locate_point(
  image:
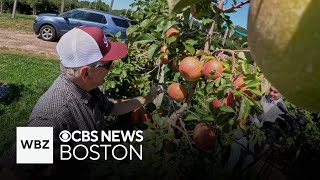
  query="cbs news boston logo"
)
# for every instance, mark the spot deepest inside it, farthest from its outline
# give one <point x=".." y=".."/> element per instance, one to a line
<point x="34" y="145"/>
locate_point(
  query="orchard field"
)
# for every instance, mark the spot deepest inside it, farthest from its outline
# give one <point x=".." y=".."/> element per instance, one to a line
<point x="212" y="87"/>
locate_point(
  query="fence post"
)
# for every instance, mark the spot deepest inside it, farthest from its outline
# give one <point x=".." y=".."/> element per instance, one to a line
<point x="14" y="9"/>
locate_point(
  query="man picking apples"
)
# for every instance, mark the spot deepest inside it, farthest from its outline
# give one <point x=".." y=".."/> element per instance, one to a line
<point x="74" y="101"/>
<point x="273" y="108"/>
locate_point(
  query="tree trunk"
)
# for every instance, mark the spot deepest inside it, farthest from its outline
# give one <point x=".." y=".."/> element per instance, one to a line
<point x="62" y="6"/>
<point x="1" y="7"/>
<point x="111" y="4"/>
<point x="34" y="10"/>
<point x="14" y="9"/>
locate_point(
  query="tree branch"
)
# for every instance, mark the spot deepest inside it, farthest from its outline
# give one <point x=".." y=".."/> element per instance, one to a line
<point x="233" y="63"/>
<point x="230" y="51"/>
<point x="228" y="10"/>
<point x="209" y="35"/>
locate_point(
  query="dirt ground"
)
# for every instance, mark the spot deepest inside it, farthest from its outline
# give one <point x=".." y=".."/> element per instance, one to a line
<point x="26" y="41"/>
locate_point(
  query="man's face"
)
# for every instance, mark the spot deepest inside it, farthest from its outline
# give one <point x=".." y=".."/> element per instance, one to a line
<point x="97" y="74"/>
<point x="274" y="94"/>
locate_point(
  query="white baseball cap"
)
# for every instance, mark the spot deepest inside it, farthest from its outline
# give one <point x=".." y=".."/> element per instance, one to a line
<point x="85" y="45"/>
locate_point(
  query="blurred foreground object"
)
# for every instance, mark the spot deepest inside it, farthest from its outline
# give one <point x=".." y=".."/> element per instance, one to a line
<point x="284" y="39"/>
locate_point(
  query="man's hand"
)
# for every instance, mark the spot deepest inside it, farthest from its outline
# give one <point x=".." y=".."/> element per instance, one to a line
<point x="154" y="91"/>
<point x="126" y="106"/>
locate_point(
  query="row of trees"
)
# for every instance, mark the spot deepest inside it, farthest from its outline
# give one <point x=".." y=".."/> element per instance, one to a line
<point x="40" y="6"/>
<point x="34" y="7"/>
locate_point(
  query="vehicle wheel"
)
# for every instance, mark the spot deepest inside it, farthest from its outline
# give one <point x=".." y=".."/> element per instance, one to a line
<point x="47" y="33"/>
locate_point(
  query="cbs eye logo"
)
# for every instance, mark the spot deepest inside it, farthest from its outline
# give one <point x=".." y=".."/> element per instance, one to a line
<point x="65" y="136"/>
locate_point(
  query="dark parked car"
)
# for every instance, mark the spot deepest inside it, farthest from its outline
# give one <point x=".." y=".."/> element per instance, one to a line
<point x="50" y="26"/>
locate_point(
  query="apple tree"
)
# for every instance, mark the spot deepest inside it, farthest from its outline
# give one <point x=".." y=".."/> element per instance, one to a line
<point x="210" y="90"/>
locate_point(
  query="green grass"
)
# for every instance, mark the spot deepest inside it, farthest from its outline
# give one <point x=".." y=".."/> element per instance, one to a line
<point x="32" y="75"/>
<point x="20" y="22"/>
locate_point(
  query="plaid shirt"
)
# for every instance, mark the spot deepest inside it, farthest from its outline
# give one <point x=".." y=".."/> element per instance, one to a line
<point x="65" y="106"/>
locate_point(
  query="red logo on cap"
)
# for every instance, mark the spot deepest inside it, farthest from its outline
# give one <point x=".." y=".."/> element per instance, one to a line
<point x="101" y="40"/>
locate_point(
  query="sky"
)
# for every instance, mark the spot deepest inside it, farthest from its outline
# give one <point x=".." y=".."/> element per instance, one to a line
<point x="238" y="18"/>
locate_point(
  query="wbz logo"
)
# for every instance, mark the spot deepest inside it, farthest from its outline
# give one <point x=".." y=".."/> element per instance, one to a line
<point x="37" y="144"/>
<point x="34" y="145"/>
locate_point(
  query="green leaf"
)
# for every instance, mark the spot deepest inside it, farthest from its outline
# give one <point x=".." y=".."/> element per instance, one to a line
<point x="149" y="124"/>
<point x="225" y="86"/>
<point x="145" y="38"/>
<point x="244" y="109"/>
<point x="255" y="91"/>
<point x="175" y="5"/>
<point x="231" y="122"/>
<point x="201" y="111"/>
<point x="244" y="67"/>
<point x="176" y="76"/>
<point x="189" y="48"/>
<point x="118" y="34"/>
<point x="159" y="145"/>
<point x="191" y="42"/>
<point x="169" y="25"/>
<point x="223" y="81"/>
<point x="245" y="55"/>
<point x="226" y="109"/>
<point x="222" y="15"/>
<point x="250" y="77"/>
<point x="191" y="117"/>
<point x="207" y="21"/>
<point x="208" y="57"/>
<point x="132" y="29"/>
<point x="244" y="127"/>
<point x="169" y="136"/>
<point x="124" y="74"/>
<point x="258" y="106"/>
<point x="145" y="23"/>
<point x="241" y="55"/>
<point x="112" y="84"/>
<point x="157" y="119"/>
<point x="171" y="39"/>
<point x="227" y="75"/>
<point x="206" y="105"/>
<point x="253" y="83"/>
<point x="245" y="44"/>
<point x="209" y="87"/>
<point x="250" y="100"/>
<point x="152" y="49"/>
<point x="208" y="118"/>
<point x="159" y="19"/>
<point x="217" y="82"/>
